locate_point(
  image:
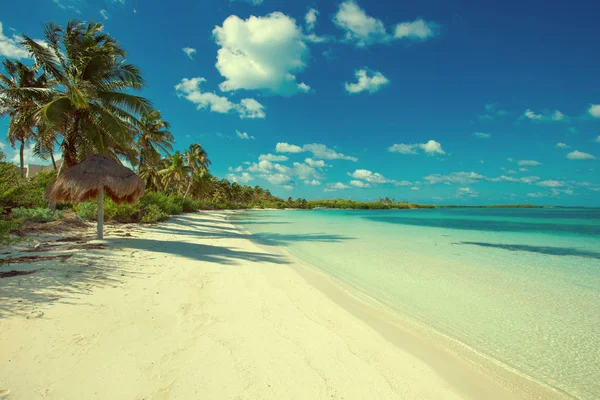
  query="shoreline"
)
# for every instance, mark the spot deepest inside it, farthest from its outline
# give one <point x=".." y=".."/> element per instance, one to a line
<point x="473" y="374"/>
<point x="192" y="307"/>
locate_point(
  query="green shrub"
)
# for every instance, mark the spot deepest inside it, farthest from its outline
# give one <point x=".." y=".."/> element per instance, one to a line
<point x="168" y="204"/>
<point x="40" y="214"/>
<point x="152" y="214"/>
<point x="87" y="211"/>
<point x="190" y="205"/>
<point x="125" y="213"/>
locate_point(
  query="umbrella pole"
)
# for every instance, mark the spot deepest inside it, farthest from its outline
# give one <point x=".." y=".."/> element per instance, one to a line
<point x="100" y="225"/>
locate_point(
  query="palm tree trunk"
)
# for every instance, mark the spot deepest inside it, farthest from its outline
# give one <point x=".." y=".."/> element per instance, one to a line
<point x="188" y="188"/>
<point x="53" y="160"/>
<point x="100" y="226"/>
<point x="21" y="155"/>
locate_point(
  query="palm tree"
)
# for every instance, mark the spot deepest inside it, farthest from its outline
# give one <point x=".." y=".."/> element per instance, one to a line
<point x="197" y="159"/>
<point x="153" y="137"/>
<point x="90" y="104"/>
<point x="175" y="173"/>
<point x="21" y="89"/>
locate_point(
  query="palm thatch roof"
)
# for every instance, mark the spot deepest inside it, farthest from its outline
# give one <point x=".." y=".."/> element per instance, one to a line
<point x="84" y="181"/>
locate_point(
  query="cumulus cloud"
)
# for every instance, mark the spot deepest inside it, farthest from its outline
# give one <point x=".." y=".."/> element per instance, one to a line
<point x="466" y="191"/>
<point x="29" y="156"/>
<point x="364" y="30"/>
<point x="461" y="178"/>
<point x="311" y="19"/>
<point x="314" y="163"/>
<point x="530" y="163"/>
<point x="332" y="187"/>
<point x="482" y="135"/>
<point x="244" y="177"/>
<point x="360" y="184"/>
<point x="371" y="84"/>
<point x="417" y="29"/>
<point x="550" y="183"/>
<point x="243" y="135"/>
<point x="375" y="177"/>
<point x="562" y="145"/>
<point x="314" y="182"/>
<point x="546" y="117"/>
<point x="579" y="155"/>
<point x="261" y="53"/>
<point x="253" y="2"/>
<point x="189" y="51"/>
<point x="288" y="148"/>
<point x="431" y="148"/>
<point x="9" y="47"/>
<point x="324" y="152"/>
<point x="190" y="90"/>
<point x="415" y="188"/>
<point x="594" y="110"/>
<point x="272" y="157"/>
<point x="597" y="139"/>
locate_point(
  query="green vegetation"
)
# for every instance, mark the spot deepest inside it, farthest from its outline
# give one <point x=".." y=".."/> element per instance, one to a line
<point x="365" y="205"/>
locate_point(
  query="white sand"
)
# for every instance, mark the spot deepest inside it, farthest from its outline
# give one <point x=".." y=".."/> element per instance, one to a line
<point x="192" y="309"/>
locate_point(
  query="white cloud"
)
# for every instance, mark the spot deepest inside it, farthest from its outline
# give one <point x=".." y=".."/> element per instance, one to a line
<point x="332" y="187"/>
<point x="364" y="30"/>
<point x="535" y="195"/>
<point x="314" y="182"/>
<point x="530" y="163"/>
<point x="492" y="111"/>
<point x="367" y="83"/>
<point x="261" y="53"/>
<point x="417" y="29"/>
<point x="466" y="191"/>
<point x="462" y="178"/>
<point x="550" y="183"/>
<point x="243" y="135"/>
<point x="579" y="155"/>
<point x="189" y="51"/>
<point x="73" y="4"/>
<point x="253" y="2"/>
<point x="594" y="110"/>
<point x="278" y="179"/>
<point x="311" y="19"/>
<point x="562" y="145"/>
<point x="288" y="148"/>
<point x="322" y="151"/>
<point x="415" y="188"/>
<point x="431" y="147"/>
<point x="369" y="176"/>
<point x="482" y="135"/>
<point x="315" y="163"/>
<point x="360" y="184"/>
<point x="597" y="139"/>
<point x="288" y="187"/>
<point x="304" y="171"/>
<point x="530" y="179"/>
<point x="244" y="177"/>
<point x="550" y="116"/>
<point x="523" y="169"/>
<point x="104" y="14"/>
<point x="190" y="90"/>
<point x="9" y="47"/>
<point x="272" y="157"/>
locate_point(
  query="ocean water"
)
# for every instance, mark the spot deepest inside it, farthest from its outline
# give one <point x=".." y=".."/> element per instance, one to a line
<point x="519" y="286"/>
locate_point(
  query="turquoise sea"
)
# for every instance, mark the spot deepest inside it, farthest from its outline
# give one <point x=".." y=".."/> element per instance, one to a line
<point x="519" y="286"/>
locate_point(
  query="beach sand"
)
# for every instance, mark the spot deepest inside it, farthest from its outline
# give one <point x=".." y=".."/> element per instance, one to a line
<point x="192" y="309"/>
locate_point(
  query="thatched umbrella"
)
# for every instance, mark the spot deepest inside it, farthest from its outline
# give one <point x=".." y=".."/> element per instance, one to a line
<point x="91" y="179"/>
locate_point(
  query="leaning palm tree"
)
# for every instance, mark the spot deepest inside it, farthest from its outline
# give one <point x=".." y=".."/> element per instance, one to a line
<point x="197" y="159"/>
<point x="91" y="104"/>
<point x="176" y="173"/>
<point x="152" y="139"/>
<point x="22" y="89"/>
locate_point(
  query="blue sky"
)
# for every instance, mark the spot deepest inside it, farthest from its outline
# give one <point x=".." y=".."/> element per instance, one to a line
<point x="431" y="101"/>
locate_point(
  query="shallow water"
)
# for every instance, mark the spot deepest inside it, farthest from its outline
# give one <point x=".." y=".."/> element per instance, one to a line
<point x="520" y="286"/>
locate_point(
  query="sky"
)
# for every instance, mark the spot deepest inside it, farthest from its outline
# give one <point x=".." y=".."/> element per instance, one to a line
<point x="435" y="101"/>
